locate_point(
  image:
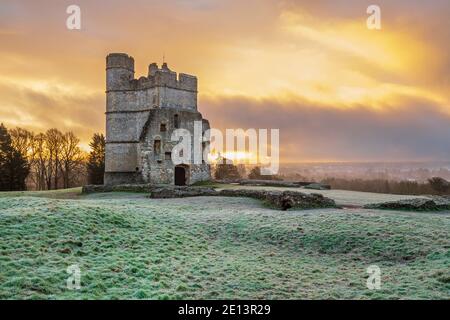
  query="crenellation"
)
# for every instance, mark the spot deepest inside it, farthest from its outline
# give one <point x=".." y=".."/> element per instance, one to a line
<point x="187" y="82"/>
<point x="166" y="78"/>
<point x="120" y="60"/>
<point x="119" y="71"/>
<point x="120" y="76"/>
<point x="152" y="68"/>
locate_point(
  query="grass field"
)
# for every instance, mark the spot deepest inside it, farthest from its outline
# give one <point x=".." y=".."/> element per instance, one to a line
<point x="131" y="247"/>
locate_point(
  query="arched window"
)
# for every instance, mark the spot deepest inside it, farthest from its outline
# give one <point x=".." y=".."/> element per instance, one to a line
<point x="157" y="147"/>
<point x="204" y="145"/>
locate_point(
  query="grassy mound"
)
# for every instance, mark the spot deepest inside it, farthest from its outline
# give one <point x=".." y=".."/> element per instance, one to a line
<point x="130" y="247"/>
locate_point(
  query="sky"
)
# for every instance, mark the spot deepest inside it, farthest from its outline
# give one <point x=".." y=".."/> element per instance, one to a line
<point x="336" y="90"/>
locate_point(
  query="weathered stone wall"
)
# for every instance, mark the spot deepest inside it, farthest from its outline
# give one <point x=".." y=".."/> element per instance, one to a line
<point x="175" y="98"/>
<point x="200" y="173"/>
<point x="282" y="200"/>
<point x="117" y="178"/>
<point x="135" y="110"/>
<point x="119" y="71"/>
<point x="132" y="100"/>
<point x="121" y="157"/>
<point x="158" y="168"/>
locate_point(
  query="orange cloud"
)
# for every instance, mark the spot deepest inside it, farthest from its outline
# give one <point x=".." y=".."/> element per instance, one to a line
<point x="284" y="53"/>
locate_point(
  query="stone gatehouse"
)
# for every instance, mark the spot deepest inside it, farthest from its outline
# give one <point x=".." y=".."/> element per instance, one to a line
<point x="141" y="115"/>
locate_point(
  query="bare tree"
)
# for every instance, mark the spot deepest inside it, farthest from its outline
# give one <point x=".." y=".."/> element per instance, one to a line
<point x="55" y="159"/>
<point x="21" y="140"/>
<point x="71" y="157"/>
<point x="39" y="160"/>
<point x="54" y="139"/>
<point x="439" y="185"/>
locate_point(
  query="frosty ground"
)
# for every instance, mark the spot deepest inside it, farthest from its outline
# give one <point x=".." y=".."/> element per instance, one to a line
<point x="131" y="247"/>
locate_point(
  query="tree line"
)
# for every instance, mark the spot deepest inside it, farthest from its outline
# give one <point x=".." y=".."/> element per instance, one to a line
<point x="434" y="186"/>
<point x="48" y="160"/>
<point x="225" y="170"/>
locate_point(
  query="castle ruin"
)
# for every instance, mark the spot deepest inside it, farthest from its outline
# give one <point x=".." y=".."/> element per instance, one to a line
<point x="141" y="115"/>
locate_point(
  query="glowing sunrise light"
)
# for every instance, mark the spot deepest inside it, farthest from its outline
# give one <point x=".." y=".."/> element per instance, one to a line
<point x="235" y="156"/>
<point x="312" y="69"/>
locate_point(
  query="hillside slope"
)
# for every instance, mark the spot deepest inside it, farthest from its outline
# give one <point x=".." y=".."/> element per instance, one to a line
<point x="131" y="247"/>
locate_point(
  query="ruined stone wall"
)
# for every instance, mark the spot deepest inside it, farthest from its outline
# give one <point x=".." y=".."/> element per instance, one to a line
<point x="200" y="173"/>
<point x="157" y="167"/>
<point x="175" y="98"/>
<point x="131" y="113"/>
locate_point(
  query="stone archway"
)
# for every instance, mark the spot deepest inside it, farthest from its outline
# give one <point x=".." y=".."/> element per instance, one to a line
<point x="181" y="175"/>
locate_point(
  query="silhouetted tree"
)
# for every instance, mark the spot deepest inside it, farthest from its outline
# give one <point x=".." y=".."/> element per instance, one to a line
<point x="14" y="168"/>
<point x="225" y="169"/>
<point x="39" y="154"/>
<point x="54" y="141"/>
<point x="255" y="174"/>
<point x="439" y="184"/>
<point x="70" y="157"/>
<point x="96" y="160"/>
<point x="21" y="141"/>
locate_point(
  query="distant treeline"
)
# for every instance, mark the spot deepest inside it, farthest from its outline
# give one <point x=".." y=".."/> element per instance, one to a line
<point x="434" y="186"/>
<point x="49" y="160"/>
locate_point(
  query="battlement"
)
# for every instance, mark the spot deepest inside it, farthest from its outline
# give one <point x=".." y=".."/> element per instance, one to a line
<point x="120" y="60"/>
<point x="121" y="68"/>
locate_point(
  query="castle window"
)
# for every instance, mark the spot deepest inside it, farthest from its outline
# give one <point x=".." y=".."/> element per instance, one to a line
<point x="204" y="145"/>
<point x="154" y="99"/>
<point x="168" y="156"/>
<point x="176" y="121"/>
<point x="157" y="147"/>
<point x="162" y="127"/>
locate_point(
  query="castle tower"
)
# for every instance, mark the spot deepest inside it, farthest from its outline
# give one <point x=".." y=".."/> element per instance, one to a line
<point x="121" y="125"/>
<point x="141" y="114"/>
<point x="119" y="71"/>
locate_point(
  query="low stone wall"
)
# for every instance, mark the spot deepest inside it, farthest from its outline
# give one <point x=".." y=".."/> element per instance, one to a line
<point x="281" y="200"/>
<point x="318" y="186"/>
<point x="288" y="184"/>
<point x="435" y="203"/>
<point x="116" y="188"/>
<point x="272" y="183"/>
<point x="167" y="192"/>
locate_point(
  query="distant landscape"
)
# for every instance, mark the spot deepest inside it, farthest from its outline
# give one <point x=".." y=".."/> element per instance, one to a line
<point x="394" y="171"/>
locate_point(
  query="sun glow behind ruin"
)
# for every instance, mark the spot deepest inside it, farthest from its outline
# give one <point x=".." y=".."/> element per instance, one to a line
<point x="307" y="58"/>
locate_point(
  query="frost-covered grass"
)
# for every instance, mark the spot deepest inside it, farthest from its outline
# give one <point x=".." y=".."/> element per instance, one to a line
<point x="342" y="197"/>
<point x="54" y="194"/>
<point x="131" y="247"/>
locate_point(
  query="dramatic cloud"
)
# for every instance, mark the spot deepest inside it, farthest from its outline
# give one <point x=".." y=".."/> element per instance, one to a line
<point x="337" y="90"/>
<point x="412" y="130"/>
